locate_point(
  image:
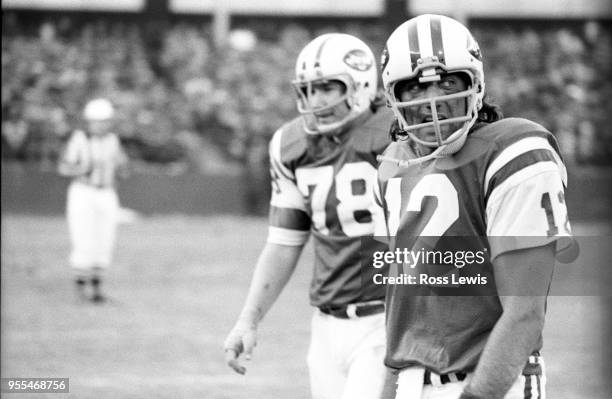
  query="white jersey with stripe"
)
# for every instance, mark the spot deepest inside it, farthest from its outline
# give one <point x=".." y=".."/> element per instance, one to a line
<point x="503" y="191"/>
<point x="101" y="155"/>
<point x="322" y="185"/>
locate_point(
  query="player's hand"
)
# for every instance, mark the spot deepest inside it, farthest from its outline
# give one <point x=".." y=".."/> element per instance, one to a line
<point x="242" y="339"/>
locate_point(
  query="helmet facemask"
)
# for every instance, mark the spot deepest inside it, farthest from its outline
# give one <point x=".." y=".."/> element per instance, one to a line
<point x="404" y="110"/>
<point x="311" y="114"/>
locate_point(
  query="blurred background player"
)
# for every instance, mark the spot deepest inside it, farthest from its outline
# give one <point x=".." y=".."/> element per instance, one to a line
<point x="476" y="181"/>
<point x="92" y="158"/>
<point x="323" y="175"/>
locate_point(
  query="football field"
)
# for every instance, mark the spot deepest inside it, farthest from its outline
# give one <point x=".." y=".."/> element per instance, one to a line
<point x="177" y="285"/>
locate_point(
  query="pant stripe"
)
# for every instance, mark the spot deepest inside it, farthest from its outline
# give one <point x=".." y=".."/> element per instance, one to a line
<point x="527" y="387"/>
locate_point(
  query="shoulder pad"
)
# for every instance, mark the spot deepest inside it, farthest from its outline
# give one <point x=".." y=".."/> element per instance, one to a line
<point x="289" y="141"/>
<point x="496" y="136"/>
<point x="488" y="141"/>
<point x="373" y="134"/>
<point x="515" y="144"/>
<point x="509" y="130"/>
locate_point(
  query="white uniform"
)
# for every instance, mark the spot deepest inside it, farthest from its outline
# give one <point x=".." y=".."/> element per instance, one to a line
<point x="92" y="203"/>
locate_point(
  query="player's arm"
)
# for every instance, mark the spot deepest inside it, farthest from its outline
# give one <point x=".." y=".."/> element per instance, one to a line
<point x="526" y="225"/>
<point x="288" y="232"/>
<point x="525" y="275"/>
<point x="274" y="267"/>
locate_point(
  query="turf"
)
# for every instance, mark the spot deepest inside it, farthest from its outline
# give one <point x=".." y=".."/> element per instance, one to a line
<point x="175" y="288"/>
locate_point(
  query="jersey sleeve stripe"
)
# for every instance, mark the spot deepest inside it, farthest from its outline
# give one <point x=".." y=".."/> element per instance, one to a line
<point x="562" y="168"/>
<point x="275" y="155"/>
<point x="518" y="177"/>
<point x="525" y="159"/>
<point x="289" y="218"/>
<point x="513" y="151"/>
<point x="278" y="235"/>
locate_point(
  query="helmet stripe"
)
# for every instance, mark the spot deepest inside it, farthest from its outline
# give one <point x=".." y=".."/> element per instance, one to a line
<point x="424" y="32"/>
<point x="317" y="60"/>
<point x="436" y="39"/>
<point x="413" y="45"/>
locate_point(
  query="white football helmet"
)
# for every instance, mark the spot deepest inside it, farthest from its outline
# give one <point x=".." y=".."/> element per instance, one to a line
<point x="99" y="109"/>
<point x="423" y="48"/>
<point x="335" y="56"/>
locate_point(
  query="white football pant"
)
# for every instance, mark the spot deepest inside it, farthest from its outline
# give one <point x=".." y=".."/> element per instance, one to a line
<point x="345" y="358"/>
<point x="92" y="222"/>
<point x="410" y="386"/>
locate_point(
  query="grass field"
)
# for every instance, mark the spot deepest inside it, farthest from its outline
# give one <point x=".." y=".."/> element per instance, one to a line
<point x="176" y="286"/>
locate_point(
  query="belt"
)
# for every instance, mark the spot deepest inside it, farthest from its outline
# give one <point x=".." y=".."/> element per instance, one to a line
<point x="440" y="379"/>
<point x="94" y="185"/>
<point x="533" y="367"/>
<point x="354" y="310"/>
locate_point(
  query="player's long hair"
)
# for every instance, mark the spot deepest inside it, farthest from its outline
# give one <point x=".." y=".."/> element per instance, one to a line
<point x="490" y="112"/>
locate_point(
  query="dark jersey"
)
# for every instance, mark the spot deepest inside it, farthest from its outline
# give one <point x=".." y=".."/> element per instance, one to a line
<point x="503" y="191"/>
<point x="323" y="185"/>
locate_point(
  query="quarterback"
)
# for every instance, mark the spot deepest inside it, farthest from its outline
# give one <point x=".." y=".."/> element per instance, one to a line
<point x="458" y="174"/>
<point x="323" y="166"/>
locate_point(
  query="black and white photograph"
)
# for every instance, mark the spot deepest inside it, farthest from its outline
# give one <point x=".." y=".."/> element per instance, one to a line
<point x="348" y="199"/>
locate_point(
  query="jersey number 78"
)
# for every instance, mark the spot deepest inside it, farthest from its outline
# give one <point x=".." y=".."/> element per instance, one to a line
<point x="354" y="184"/>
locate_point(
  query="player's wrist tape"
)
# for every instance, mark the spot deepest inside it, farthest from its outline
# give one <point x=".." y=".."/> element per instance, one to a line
<point x="247" y="322"/>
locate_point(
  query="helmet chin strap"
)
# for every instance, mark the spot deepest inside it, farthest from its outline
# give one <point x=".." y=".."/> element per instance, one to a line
<point x="440" y="152"/>
<point x="437" y="153"/>
<point x="329" y="129"/>
<point x="311" y="126"/>
<point x="334" y="127"/>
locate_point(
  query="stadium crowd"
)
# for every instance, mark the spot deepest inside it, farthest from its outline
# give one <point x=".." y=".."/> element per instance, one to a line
<point x="188" y="104"/>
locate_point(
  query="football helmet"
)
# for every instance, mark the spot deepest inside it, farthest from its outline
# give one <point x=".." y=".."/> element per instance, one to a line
<point x="424" y="48"/>
<point x="340" y="57"/>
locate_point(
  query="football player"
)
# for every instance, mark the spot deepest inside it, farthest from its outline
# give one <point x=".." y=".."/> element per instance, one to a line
<point x="323" y="166"/>
<point x="92" y="158"/>
<point x="459" y="177"/>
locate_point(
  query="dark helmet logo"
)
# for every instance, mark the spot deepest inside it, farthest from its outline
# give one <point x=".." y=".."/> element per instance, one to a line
<point x="384" y="58"/>
<point x="474" y="49"/>
<point x="358" y="59"/>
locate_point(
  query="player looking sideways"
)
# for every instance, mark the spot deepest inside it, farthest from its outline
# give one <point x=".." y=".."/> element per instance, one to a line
<point x="478" y="179"/>
<point x="92" y="158"/>
<point x="323" y="167"/>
